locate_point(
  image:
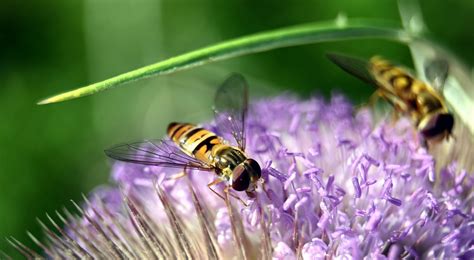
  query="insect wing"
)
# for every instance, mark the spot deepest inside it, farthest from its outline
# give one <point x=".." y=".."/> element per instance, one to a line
<point x="355" y="66"/>
<point x="157" y="153"/>
<point x="361" y="69"/>
<point x="436" y="72"/>
<point x="230" y="108"/>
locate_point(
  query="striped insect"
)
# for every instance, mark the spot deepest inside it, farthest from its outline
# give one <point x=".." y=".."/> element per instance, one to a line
<point x="420" y="101"/>
<point x="193" y="147"/>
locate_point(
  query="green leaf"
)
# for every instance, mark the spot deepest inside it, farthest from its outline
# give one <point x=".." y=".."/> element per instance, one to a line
<point x="335" y="30"/>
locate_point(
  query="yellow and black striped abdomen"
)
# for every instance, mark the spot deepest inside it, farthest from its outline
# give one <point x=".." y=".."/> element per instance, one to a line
<point x="419" y="98"/>
<point x="395" y="78"/>
<point x="193" y="140"/>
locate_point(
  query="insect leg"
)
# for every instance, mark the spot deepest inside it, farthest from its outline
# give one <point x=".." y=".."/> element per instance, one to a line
<point x="371" y="102"/>
<point x="264" y="187"/>
<point x="226" y="190"/>
<point x="399" y="107"/>
<point x="450" y="136"/>
<point x="251" y="194"/>
<point x="374" y="98"/>
<point x="178" y="175"/>
<point x="395" y="116"/>
<point x="215" y="182"/>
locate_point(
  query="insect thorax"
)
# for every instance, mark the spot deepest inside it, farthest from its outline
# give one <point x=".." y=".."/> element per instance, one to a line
<point x="429" y="103"/>
<point x="226" y="158"/>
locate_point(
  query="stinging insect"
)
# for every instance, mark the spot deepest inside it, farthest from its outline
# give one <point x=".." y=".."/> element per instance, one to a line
<point x="193" y="147"/>
<point x="422" y="102"/>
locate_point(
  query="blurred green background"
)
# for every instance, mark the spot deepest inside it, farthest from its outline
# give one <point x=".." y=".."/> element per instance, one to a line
<point x="51" y="154"/>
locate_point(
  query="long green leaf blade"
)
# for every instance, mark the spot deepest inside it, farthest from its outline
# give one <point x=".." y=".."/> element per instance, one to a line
<point x="335" y="30"/>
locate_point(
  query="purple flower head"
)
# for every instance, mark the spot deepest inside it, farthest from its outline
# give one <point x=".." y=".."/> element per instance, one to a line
<point x="335" y="185"/>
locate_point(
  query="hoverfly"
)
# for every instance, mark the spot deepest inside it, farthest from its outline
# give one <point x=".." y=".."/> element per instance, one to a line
<point x="192" y="147"/>
<point x="408" y="95"/>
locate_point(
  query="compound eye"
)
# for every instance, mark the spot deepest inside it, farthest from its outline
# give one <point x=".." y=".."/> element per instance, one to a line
<point x="254" y="168"/>
<point x="240" y="178"/>
<point x="440" y="124"/>
<point x="446" y="121"/>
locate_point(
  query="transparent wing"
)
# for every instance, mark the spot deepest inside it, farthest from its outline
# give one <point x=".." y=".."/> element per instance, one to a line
<point x="155" y="152"/>
<point x="361" y="69"/>
<point x="436" y="72"/>
<point x="355" y="66"/>
<point x="230" y="108"/>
